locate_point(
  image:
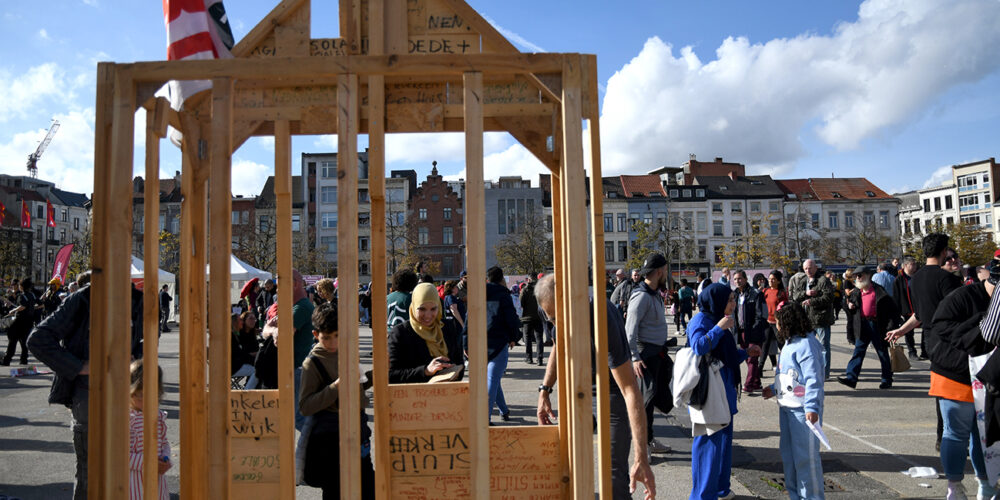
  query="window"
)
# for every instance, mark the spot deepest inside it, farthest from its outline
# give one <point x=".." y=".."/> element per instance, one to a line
<point x="435" y="198"/>
<point x="394" y="195"/>
<point x="737" y="228"/>
<point x="687" y="193"/>
<point x="916" y="226"/>
<point x="702" y="222"/>
<point x="296" y="222"/>
<point x="38" y="255"/>
<point x="815" y="220"/>
<point x="755" y="207"/>
<point x="40" y="210"/>
<point x="264" y="224"/>
<point x="447" y="236"/>
<point x="688" y="220"/>
<point x="364" y="219"/>
<point x="329" y="220"/>
<point x="906" y="225"/>
<point x="989" y="220"/>
<point x="363" y="268"/>
<point x="773" y="206"/>
<point x="967" y="182"/>
<point x="65" y="216"/>
<point x="76" y="223"/>
<point x="716" y="208"/>
<point x="868" y="218"/>
<point x="949" y="221"/>
<point x="609" y="251"/>
<point x="363" y="196"/>
<point x="700" y="193"/>
<point x="236" y="218"/>
<point x="422" y="236"/>
<point x="717" y="228"/>
<point x="849" y="219"/>
<point x="622" y="251"/>
<point x="647" y="218"/>
<point x="633" y="220"/>
<point x="328" y="194"/>
<point x="609" y="223"/>
<point x="422" y="214"/>
<point x="446" y="213"/>
<point x="175" y="225"/>
<point x="62" y="236"/>
<point x="775" y="227"/>
<point x="38" y="233"/>
<point x="968" y="202"/>
<point x="673" y="193"/>
<point x="328" y="169"/>
<point x="163" y="222"/>
<point x="702" y="249"/>
<point x="675" y="224"/>
<point x="947" y="202"/>
<point x="937" y="203"/>
<point x="883" y="219"/>
<point x="502" y="216"/>
<point x="834" y="220"/>
<point x="927" y="205"/>
<point x="622" y="225"/>
<point x="986" y="198"/>
<point x="736" y="207"/>
<point x="363" y="243"/>
<point x="970" y="219"/>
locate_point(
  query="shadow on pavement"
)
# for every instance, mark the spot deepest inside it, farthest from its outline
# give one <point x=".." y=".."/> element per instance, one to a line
<point x="49" y="490"/>
<point x="6" y="421"/>
<point x="37" y="445"/>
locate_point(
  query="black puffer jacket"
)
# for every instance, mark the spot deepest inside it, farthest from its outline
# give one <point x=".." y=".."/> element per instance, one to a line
<point x="955" y="334"/>
<point x="62" y="342"/>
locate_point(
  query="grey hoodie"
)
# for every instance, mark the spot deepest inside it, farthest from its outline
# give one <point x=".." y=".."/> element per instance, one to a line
<point x="645" y="321"/>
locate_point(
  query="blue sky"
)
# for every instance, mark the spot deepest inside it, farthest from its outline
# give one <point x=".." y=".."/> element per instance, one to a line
<point x="893" y="90"/>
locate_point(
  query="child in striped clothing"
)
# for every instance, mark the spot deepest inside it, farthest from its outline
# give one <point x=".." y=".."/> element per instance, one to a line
<point x="135" y="420"/>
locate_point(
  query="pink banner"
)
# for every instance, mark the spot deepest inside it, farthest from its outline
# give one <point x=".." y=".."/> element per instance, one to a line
<point x="61" y="264"/>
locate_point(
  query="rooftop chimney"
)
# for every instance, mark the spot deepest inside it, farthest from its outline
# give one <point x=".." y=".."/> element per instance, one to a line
<point x="692" y="157"/>
<point x="718" y="159"/>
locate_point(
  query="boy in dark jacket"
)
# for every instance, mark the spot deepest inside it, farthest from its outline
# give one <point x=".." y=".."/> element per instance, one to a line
<point x="875" y="314"/>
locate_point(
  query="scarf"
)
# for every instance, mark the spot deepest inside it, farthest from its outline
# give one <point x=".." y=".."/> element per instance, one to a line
<point x="425" y="293"/>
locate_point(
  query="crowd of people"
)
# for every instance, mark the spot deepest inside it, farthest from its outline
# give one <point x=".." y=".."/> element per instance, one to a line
<point x="734" y="321"/>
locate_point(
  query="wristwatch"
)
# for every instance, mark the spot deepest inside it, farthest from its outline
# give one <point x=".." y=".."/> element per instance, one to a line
<point x="546" y="388"/>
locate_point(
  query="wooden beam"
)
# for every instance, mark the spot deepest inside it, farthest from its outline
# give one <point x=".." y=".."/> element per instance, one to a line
<point x="475" y="213"/>
<point x="99" y="315"/>
<point x="574" y="196"/>
<point x="560" y="350"/>
<point x="347" y="276"/>
<point x="599" y="279"/>
<point x="283" y="242"/>
<point x="191" y="285"/>
<point x="219" y="324"/>
<point x="265" y="27"/>
<point x="156" y="128"/>
<point x="291" y="68"/>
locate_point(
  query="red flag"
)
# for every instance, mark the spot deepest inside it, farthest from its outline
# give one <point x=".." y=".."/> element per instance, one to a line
<point x="25" y="215"/>
<point x="196" y="29"/>
<point x="3" y="212"/>
<point x="50" y="214"/>
<point x="61" y="263"/>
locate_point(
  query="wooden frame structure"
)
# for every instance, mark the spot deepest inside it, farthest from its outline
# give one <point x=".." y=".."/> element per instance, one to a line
<point x="400" y="66"/>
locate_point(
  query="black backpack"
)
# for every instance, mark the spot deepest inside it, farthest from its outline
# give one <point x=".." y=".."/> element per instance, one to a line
<point x="266" y="364"/>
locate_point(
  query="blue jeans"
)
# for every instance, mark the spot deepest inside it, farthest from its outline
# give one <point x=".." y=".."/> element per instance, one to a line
<point x="960" y="439"/>
<point x="861" y="347"/>
<point x="800" y="456"/>
<point x="494" y="372"/>
<point x="823" y="336"/>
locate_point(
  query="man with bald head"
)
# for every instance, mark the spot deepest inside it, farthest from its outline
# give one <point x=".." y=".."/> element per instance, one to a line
<point x="814" y="291"/>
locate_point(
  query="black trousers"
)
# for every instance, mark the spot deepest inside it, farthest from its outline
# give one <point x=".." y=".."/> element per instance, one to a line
<point x="17" y="334"/>
<point x="650" y="355"/>
<point x="532" y="331"/>
<point x="621" y="444"/>
<point x="770" y="339"/>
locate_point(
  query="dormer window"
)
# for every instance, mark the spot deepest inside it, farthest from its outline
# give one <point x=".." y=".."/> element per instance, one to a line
<point x="836" y="194"/>
<point x="869" y="194"/>
<point x="723" y="188"/>
<point x="792" y="196"/>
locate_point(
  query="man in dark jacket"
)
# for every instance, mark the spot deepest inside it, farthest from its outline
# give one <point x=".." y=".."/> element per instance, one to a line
<point x="531" y="322"/>
<point x="502" y="332"/>
<point x="265" y="298"/>
<point x="876" y="313"/>
<point x="954" y="336"/>
<point x="751" y="319"/>
<point x="24" y="318"/>
<point x="904" y="299"/>
<point x="62" y="342"/>
<point x="165" y="299"/>
<point x="811" y="289"/>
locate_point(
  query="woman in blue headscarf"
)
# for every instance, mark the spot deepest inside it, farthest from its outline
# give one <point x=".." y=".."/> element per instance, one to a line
<point x="708" y="334"/>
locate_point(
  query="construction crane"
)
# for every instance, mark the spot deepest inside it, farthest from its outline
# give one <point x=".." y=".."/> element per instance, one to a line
<point x="33" y="157"/>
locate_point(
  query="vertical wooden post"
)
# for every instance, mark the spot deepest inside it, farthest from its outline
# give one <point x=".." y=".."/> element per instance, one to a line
<point x="156" y="128"/>
<point x="560" y="350"/>
<point x="98" y="301"/>
<point x="286" y="368"/>
<point x="194" y="435"/>
<point x="599" y="280"/>
<point x="219" y="322"/>
<point x="475" y="213"/>
<point x="347" y="277"/>
<point x="112" y="301"/>
<point x="575" y="279"/>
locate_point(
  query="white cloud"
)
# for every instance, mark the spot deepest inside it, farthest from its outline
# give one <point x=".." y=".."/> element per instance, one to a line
<point x="44" y="35"/>
<point x="249" y="176"/>
<point x="754" y="101"/>
<point x="513" y="161"/>
<point x="514" y="37"/>
<point x="939" y="177"/>
<point x="21" y="94"/>
<point x="92" y="3"/>
<point x="69" y="159"/>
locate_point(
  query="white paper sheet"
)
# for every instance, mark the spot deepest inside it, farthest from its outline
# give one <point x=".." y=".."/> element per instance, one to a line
<point x="818" y="431"/>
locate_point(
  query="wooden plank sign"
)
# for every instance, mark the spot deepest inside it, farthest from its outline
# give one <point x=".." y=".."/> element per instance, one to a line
<point x="429" y="406"/>
<point x="253" y="434"/>
<point x="253" y="414"/>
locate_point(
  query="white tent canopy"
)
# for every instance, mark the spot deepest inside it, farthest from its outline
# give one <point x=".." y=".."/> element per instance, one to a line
<point x="138" y="271"/>
<point x="241" y="271"/>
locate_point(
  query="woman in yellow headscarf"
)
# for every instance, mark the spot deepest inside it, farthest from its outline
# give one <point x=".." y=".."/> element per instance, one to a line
<point x="427" y="343"/>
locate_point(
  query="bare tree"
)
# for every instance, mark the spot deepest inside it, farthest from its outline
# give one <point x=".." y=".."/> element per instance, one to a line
<point x="528" y="249"/>
<point x="15" y="261"/>
<point x="867" y="244"/>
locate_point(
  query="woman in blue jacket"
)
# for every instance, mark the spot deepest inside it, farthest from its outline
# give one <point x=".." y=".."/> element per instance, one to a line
<point x="708" y="334"/>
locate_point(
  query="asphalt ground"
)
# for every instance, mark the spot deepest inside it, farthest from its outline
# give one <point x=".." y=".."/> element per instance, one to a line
<point x="875" y="434"/>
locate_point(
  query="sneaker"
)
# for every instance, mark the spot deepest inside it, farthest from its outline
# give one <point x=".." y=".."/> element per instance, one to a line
<point x="956" y="491"/>
<point x="885" y="385"/>
<point x="924" y="356"/>
<point x="728" y="496"/>
<point x="849" y="382"/>
<point x="914" y="356"/>
<point x="505" y="417"/>
<point x="658" y="447"/>
<point x="986" y="490"/>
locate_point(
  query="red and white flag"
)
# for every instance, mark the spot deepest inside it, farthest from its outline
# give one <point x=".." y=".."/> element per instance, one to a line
<point x="50" y="214"/>
<point x="61" y="263"/>
<point x="196" y="29"/>
<point x="25" y="215"/>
